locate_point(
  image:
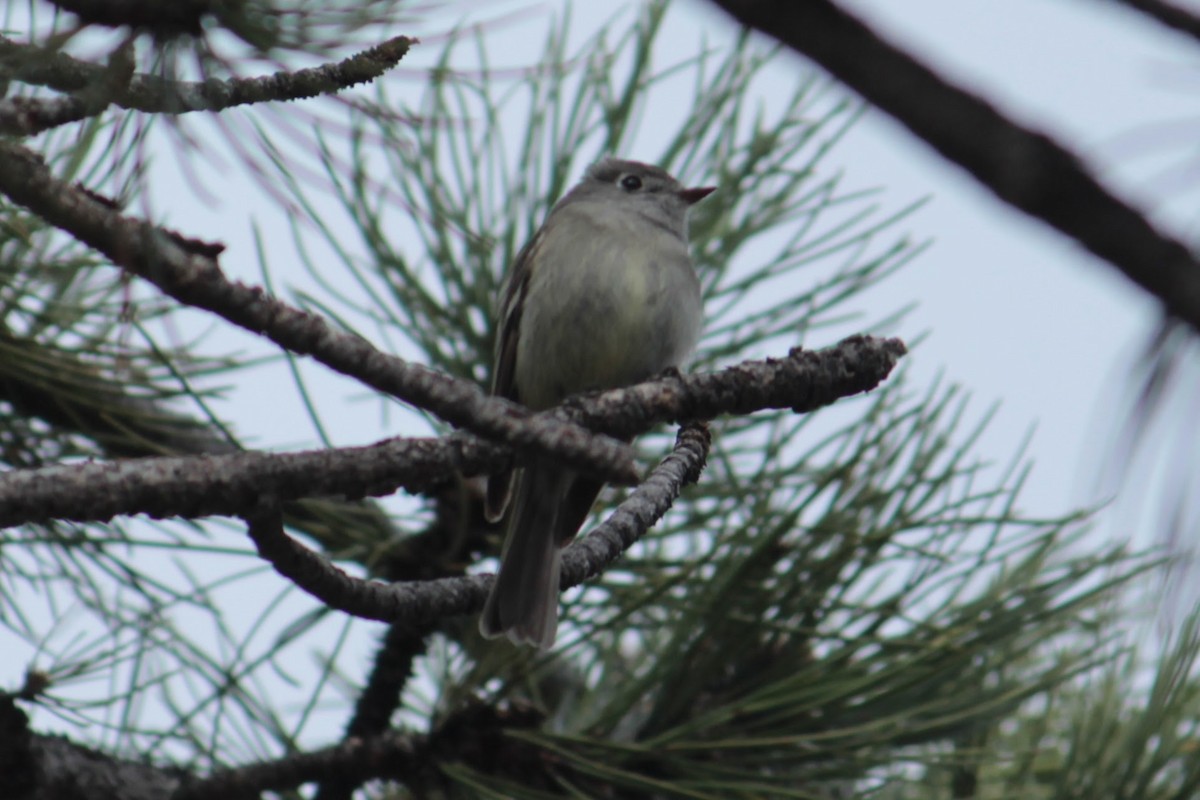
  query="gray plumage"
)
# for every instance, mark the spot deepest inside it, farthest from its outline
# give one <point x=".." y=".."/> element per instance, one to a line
<point x="604" y="295"/>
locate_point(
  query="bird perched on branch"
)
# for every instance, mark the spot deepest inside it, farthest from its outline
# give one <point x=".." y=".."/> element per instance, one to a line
<point x="603" y="296"/>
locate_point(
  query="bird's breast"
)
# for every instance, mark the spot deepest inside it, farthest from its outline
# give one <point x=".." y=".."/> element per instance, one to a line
<point x="605" y="310"/>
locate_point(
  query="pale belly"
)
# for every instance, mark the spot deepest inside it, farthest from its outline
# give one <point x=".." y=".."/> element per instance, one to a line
<point x="616" y="327"/>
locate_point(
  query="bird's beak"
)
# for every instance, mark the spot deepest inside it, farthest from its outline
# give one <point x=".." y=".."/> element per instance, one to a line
<point x="693" y="196"/>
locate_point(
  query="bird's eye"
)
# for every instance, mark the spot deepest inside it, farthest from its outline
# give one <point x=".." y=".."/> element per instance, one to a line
<point x="631" y="183"/>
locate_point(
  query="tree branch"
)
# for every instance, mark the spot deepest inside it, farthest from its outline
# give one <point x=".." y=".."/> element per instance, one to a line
<point x="31" y="64"/>
<point x="1026" y="169"/>
<point x="473" y="735"/>
<point x="392" y="667"/>
<point x="188" y="271"/>
<point x="166" y="20"/>
<point x="427" y="602"/>
<point x="231" y="484"/>
<point x="588" y="557"/>
<point x="1168" y="14"/>
<point x="38" y="767"/>
<point x="27" y="116"/>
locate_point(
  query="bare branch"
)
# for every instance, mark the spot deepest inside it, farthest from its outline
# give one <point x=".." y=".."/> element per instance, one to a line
<point x="26" y="116"/>
<point x="804" y="381"/>
<point x="1026" y="169"/>
<point x="474" y="734"/>
<point x="589" y="556"/>
<point x="232" y="483"/>
<point x="150" y="93"/>
<point x="417" y="605"/>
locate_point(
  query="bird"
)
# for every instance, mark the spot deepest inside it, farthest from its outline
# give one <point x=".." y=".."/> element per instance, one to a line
<point x="603" y="295"/>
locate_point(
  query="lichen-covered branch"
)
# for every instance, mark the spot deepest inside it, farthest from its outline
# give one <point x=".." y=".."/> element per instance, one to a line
<point x="232" y="483"/>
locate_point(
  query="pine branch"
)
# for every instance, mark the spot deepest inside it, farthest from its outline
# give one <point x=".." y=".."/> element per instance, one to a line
<point x="27" y="116"/>
<point x="427" y="602"/>
<point x="89" y="397"/>
<point x="94" y="89"/>
<point x="231" y="484"/>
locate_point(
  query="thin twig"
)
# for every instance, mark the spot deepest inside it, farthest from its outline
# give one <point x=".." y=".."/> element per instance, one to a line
<point x="92" y="90"/>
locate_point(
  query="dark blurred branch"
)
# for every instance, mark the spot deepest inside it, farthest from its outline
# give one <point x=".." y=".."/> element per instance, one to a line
<point x="188" y="271"/>
<point x="473" y="736"/>
<point x="444" y="549"/>
<point x="394" y="755"/>
<point x="38" y="767"/>
<point x="232" y="484"/>
<point x="1167" y="14"/>
<point x="1026" y="169"/>
<point x="166" y="20"/>
<point x="391" y="669"/>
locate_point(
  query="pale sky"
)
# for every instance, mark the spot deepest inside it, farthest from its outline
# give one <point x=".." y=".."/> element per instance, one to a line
<point x="1017" y="312"/>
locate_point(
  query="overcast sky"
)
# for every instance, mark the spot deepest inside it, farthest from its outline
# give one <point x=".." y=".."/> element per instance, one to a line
<point x="1017" y="312"/>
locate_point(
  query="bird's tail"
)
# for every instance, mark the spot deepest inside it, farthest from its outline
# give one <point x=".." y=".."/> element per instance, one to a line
<point x="523" y="603"/>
